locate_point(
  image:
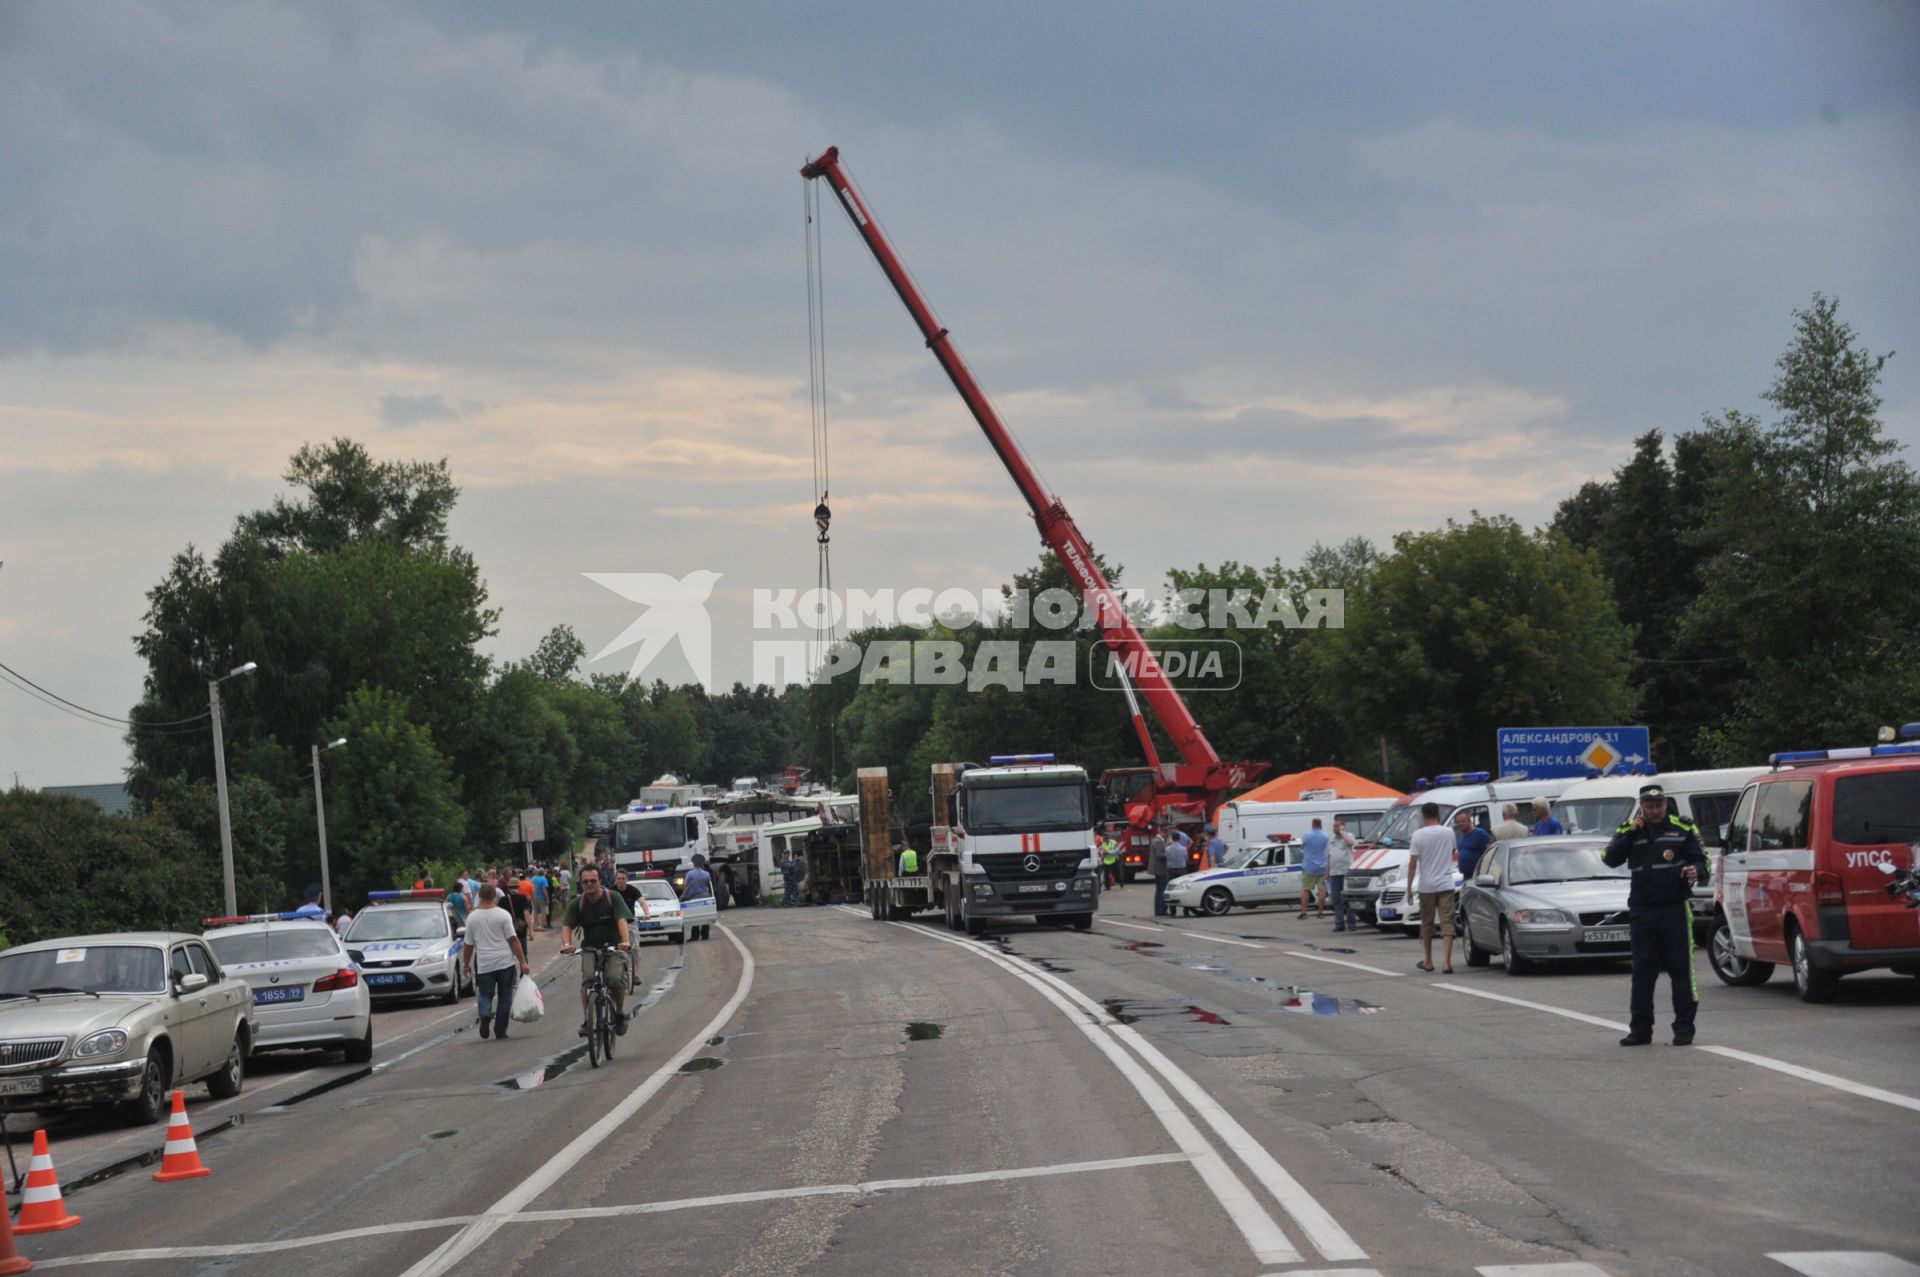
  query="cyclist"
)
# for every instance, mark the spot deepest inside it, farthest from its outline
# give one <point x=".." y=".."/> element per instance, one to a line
<point x="594" y="918"/>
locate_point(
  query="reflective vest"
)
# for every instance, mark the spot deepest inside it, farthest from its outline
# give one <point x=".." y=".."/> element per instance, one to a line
<point x="909" y="861"/>
<point x="1110" y="851"/>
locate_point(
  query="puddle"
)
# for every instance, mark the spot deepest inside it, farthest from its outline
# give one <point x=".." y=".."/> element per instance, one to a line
<point x="545" y="1071"/>
<point x="1307" y="1002"/>
<point x="716" y="1039"/>
<point x="922" y="1031"/>
<point x="1203" y="966"/>
<point x="441" y="1135"/>
<point x="1141" y="946"/>
<point x="1325" y="948"/>
<point x="1129" y="1012"/>
<point x="702" y="1064"/>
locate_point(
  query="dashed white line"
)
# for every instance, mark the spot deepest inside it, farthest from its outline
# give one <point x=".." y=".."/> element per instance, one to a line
<point x="1532" y="1006"/>
<point x="1845" y="1263"/>
<point x="1342" y="962"/>
<point x="1541" y="1270"/>
<point x="1201" y="935"/>
<point x="1131" y="926"/>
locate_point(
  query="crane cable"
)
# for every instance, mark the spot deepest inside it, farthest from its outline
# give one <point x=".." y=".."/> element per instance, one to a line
<point x="826" y="627"/>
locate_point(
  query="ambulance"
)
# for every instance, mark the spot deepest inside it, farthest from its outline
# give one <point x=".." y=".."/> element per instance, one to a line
<point x="1804" y="868"/>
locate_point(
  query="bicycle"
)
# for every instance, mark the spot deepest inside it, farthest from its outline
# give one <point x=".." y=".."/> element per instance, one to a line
<point x="601" y="1015"/>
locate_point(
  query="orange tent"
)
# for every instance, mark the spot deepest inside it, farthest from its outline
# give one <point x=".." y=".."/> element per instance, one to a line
<point x="1344" y="784"/>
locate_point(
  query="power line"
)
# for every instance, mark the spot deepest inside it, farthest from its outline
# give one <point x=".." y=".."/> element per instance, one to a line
<point x="49" y="697"/>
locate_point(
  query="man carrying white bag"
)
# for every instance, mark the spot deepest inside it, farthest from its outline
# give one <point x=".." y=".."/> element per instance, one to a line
<point x="496" y="962"/>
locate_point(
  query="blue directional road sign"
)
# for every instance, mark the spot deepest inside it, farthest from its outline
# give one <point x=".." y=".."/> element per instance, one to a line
<point x="1542" y="752"/>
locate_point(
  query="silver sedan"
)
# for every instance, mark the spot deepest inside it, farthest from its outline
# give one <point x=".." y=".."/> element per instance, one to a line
<point x="1535" y="900"/>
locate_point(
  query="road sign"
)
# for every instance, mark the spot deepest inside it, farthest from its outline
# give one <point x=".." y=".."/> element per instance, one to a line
<point x="1542" y="752"/>
<point x="527" y="826"/>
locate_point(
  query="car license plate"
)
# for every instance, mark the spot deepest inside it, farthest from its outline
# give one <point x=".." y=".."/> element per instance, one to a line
<point x="386" y="979"/>
<point x="1034" y="886"/>
<point x="647" y="926"/>
<point x="278" y="995"/>
<point x="1613" y="935"/>
<point x="20" y="1086"/>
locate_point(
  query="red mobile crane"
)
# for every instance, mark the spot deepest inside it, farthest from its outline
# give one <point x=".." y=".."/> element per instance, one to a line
<point x="1188" y="790"/>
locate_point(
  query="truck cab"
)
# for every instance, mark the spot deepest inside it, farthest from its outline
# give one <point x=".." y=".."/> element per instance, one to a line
<point x="659" y="836"/>
<point x="1021" y="841"/>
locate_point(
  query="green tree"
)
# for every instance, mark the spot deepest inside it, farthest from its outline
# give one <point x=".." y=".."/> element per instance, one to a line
<point x="1812" y="578"/>
<point x="1475" y="627"/>
<point x="391" y="796"/>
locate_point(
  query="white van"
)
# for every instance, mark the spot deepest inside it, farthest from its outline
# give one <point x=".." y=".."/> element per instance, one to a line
<point x="1244" y="824"/>
<point x="1385" y="886"/>
<point x="1705" y="798"/>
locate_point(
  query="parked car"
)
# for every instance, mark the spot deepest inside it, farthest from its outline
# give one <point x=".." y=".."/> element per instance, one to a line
<point x="407" y="945"/>
<point x="307" y="991"/>
<point x="1799" y="878"/>
<point x="119" y="1019"/>
<point x="1537" y="900"/>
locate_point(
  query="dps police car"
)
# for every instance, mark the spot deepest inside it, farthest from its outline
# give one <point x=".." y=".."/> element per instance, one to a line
<point x="306" y="991"/>
<point x="1249" y="876"/>
<point x="664" y="918"/>
<point x="408" y="946"/>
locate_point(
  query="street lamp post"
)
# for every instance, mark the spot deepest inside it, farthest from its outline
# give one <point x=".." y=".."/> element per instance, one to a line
<point x="320" y="815"/>
<point x="220" y="782"/>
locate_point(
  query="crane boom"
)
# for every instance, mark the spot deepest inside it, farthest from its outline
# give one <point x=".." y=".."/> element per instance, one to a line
<point x="1200" y="771"/>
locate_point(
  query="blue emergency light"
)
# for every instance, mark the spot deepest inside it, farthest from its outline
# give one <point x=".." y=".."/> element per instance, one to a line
<point x="1011" y="760"/>
<point x="416" y="893"/>
<point x="1792" y="756"/>
<point x="1910" y="731"/>
<point x="1421" y="783"/>
<point x="238" y="920"/>
<point x="1465" y="778"/>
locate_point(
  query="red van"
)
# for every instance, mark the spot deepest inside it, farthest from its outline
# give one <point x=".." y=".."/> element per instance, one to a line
<point x="1801" y="879"/>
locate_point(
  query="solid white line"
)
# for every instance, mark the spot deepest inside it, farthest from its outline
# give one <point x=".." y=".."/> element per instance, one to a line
<point x="238" y="1249"/>
<point x="450" y="1252"/>
<point x="1845" y="1263"/>
<point x="1541" y="1270"/>
<point x="845" y="1190"/>
<point x="1532" y="1006"/>
<point x="1201" y="935"/>
<point x="1824" y="1079"/>
<point x="1745" y="1057"/>
<point x="1268" y="1243"/>
<point x="251" y="1248"/>
<point x="1133" y="926"/>
<point x="1342" y="962"/>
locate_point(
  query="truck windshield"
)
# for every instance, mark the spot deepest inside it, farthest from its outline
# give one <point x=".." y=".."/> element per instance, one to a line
<point x="1594" y="815"/>
<point x="1027" y="808"/>
<point x="655" y="833"/>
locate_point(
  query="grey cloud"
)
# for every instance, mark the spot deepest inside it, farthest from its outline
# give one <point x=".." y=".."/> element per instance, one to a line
<point x="410" y="410"/>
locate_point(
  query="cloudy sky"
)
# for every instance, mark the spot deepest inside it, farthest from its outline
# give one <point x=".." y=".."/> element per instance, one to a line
<point x="1242" y="276"/>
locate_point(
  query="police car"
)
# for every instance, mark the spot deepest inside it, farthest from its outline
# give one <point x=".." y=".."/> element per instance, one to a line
<point x="665" y="918"/>
<point x="1249" y="876"/>
<point x="408" y="946"/>
<point x="307" y="992"/>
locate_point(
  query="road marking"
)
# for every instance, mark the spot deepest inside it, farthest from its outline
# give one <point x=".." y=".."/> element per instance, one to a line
<point x="1268" y="1243"/>
<point x="241" y="1249"/>
<point x="471" y="1237"/>
<point x="1342" y="962"/>
<point x="251" y="1248"/>
<point x="1845" y="1263"/>
<point x="1541" y="1270"/>
<point x="1532" y="1006"/>
<point x="1824" y="1079"/>
<point x="1328" y="1272"/>
<point x="1201" y="935"/>
<point x="1132" y="926"/>
<point x="1326" y="1235"/>
<point x="847" y="1190"/>
<point x="1745" y="1057"/>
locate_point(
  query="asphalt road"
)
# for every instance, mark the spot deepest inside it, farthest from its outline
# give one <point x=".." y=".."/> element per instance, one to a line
<point x="814" y="1092"/>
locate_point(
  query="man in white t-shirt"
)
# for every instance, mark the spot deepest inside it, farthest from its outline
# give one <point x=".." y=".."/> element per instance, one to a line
<point x="1431" y="874"/>
<point x="494" y="960"/>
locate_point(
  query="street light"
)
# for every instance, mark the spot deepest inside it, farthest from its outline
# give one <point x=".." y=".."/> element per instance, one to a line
<point x="320" y="814"/>
<point x="220" y="781"/>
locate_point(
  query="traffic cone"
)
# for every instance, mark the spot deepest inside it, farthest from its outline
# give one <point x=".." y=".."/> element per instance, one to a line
<point x="42" y="1209"/>
<point x="11" y="1260"/>
<point x="182" y="1159"/>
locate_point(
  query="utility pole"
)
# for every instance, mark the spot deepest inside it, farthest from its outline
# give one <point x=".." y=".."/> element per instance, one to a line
<point x="320" y="818"/>
<point x="220" y="783"/>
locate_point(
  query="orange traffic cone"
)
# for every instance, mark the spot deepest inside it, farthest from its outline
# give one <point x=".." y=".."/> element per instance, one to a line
<point x="42" y="1209"/>
<point x="11" y="1260"/>
<point x="182" y="1159"/>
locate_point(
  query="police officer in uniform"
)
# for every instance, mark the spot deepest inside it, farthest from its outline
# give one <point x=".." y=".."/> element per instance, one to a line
<point x="1665" y="856"/>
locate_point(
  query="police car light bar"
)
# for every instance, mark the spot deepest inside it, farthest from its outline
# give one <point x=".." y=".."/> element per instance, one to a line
<point x="239" y="920"/>
<point x="1793" y="756"/>
<point x="1466" y="778"/>
<point x="1421" y="783"/>
<point x="1909" y="731"/>
<point x="654" y="873"/>
<point x="1008" y="760"/>
<point x="416" y="893"/>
